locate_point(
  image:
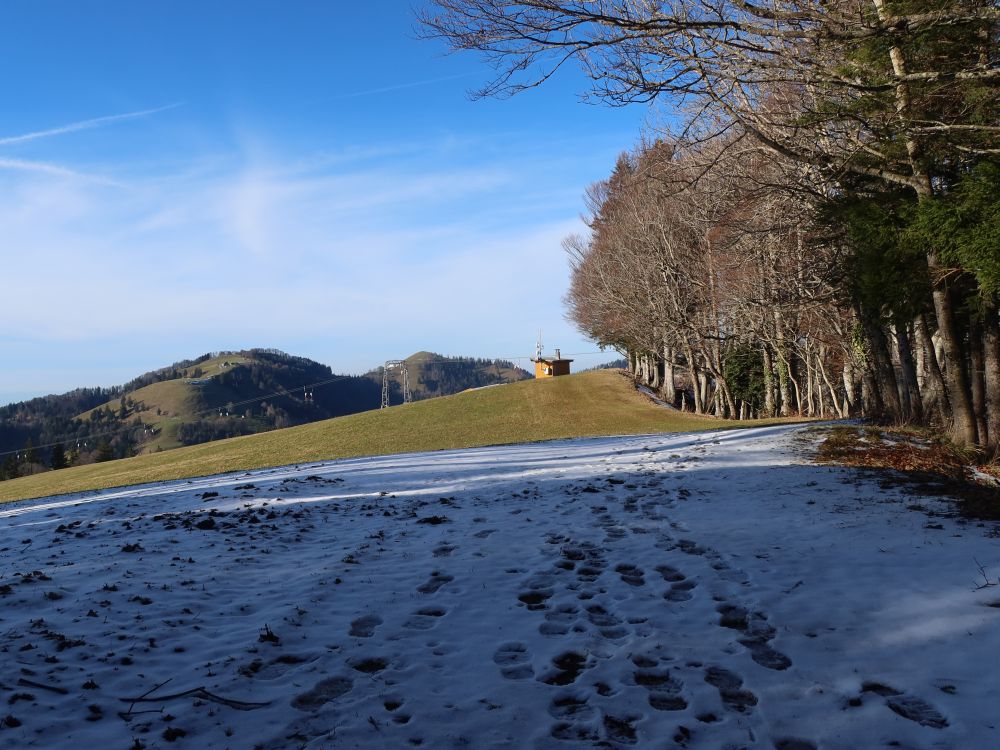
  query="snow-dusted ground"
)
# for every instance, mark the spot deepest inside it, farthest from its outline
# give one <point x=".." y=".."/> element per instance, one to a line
<point x="706" y="591"/>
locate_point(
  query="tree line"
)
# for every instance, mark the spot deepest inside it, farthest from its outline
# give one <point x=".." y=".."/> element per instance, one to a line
<point x="818" y="232"/>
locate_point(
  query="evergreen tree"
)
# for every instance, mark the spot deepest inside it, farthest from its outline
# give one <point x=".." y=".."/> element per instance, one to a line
<point x="58" y="458"/>
<point x="104" y="452"/>
<point x="9" y="469"/>
<point x="30" y="454"/>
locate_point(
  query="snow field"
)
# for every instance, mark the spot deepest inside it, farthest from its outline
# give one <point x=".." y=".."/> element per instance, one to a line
<point x="710" y="590"/>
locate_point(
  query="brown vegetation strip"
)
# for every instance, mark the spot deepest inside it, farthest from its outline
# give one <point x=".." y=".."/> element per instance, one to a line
<point x="922" y="461"/>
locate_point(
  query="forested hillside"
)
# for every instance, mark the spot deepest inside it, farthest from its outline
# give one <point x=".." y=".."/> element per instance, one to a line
<point x="817" y="228"/>
<point x="431" y="375"/>
<point x="215" y="396"/>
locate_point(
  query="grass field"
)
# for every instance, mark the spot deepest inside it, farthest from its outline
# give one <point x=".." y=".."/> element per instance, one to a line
<point x="601" y="402"/>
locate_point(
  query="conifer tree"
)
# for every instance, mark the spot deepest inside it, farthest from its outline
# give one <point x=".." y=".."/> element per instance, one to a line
<point x="58" y="458"/>
<point x="104" y="452"/>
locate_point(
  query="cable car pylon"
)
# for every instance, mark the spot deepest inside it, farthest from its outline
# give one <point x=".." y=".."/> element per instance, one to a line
<point x="401" y="365"/>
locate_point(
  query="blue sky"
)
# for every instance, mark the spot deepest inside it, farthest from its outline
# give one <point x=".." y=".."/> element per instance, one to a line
<point x="183" y="177"/>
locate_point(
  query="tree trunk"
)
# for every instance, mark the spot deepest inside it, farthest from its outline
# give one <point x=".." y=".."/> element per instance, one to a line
<point x="669" y="390"/>
<point x="783" y="366"/>
<point x="908" y="370"/>
<point x="871" y="396"/>
<point x="937" y="390"/>
<point x="727" y="405"/>
<point x="695" y="379"/>
<point x="850" y="387"/>
<point x="977" y="377"/>
<point x="885" y="374"/>
<point x="654" y="372"/>
<point x="991" y="361"/>
<point x="809" y="380"/>
<point x="833" y="392"/>
<point x="768" y="381"/>
<point x="956" y="378"/>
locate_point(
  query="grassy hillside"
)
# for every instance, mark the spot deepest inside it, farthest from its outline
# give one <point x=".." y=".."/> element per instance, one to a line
<point x="601" y="402"/>
<point x="217" y="396"/>
<point x="169" y="403"/>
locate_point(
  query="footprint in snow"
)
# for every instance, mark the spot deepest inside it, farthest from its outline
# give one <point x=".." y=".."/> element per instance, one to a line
<point x="425" y="618"/>
<point x="567" y="667"/>
<point x="514" y="661"/>
<point x="758" y="635"/>
<point x="631" y="574"/>
<point x="768" y="657"/>
<point x="364" y="627"/>
<point x="793" y="743"/>
<point x="392" y="705"/>
<point x="368" y="664"/>
<point x="729" y="684"/>
<point x="322" y="692"/>
<point x="435" y="582"/>
<point x="680" y="591"/>
<point x="691" y="548"/>
<point x="621" y="729"/>
<point x="614" y="533"/>
<point x="574" y="733"/>
<point x="670" y="575"/>
<point x="571" y="707"/>
<point x="908" y="706"/>
<point x="537" y="592"/>
<point x="275" y="668"/>
<point x="559" y="620"/>
<point x="608" y="624"/>
<point x="728" y="573"/>
<point x="664" y="689"/>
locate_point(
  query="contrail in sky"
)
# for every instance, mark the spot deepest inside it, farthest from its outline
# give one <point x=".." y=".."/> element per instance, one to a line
<point x="73" y="127"/>
<point x="42" y="167"/>
<point x="37" y="166"/>
<point x="400" y="86"/>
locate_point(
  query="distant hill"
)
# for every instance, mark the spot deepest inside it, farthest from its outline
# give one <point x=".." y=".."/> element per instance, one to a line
<point x="215" y="396"/>
<point x="616" y="364"/>
<point x="603" y="402"/>
<point x="432" y="375"/>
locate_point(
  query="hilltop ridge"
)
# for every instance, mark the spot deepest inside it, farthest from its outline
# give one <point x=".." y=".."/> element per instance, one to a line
<point x="599" y="402"/>
<point x="215" y="396"/>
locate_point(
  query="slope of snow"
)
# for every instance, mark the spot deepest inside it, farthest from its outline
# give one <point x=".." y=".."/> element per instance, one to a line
<point x="708" y="590"/>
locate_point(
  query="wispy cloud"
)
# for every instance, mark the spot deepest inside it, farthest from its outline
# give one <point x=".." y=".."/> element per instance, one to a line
<point x="398" y="87"/>
<point x="285" y="248"/>
<point x="22" y="165"/>
<point x="74" y="127"/>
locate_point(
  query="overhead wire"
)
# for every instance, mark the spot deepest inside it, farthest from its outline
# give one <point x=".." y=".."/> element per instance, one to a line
<point x="284" y="392"/>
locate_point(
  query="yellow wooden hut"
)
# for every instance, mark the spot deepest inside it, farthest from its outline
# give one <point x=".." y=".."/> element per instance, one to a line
<point x="550" y="367"/>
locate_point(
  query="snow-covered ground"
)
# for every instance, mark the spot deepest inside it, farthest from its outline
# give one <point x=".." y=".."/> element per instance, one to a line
<point x="705" y="591"/>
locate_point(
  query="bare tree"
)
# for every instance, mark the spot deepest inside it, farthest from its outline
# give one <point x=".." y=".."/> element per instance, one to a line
<point x="862" y="97"/>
